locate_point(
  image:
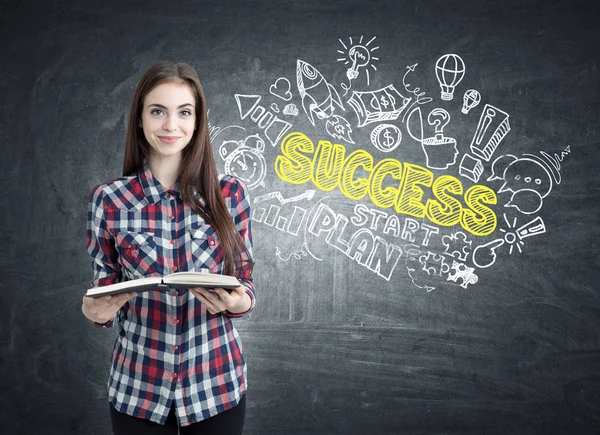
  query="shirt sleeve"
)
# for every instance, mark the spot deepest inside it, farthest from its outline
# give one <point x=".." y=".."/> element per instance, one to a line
<point x="243" y="223"/>
<point x="101" y="246"/>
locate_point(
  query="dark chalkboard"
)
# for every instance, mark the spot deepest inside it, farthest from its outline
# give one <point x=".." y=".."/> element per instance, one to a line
<point x="419" y="269"/>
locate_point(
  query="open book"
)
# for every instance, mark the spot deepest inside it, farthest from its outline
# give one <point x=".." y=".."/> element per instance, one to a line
<point x="175" y="280"/>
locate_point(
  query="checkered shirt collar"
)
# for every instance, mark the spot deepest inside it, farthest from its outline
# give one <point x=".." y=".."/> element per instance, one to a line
<point x="153" y="190"/>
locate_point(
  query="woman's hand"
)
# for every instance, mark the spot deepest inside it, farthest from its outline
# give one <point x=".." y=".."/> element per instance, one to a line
<point x="101" y="310"/>
<point x="219" y="300"/>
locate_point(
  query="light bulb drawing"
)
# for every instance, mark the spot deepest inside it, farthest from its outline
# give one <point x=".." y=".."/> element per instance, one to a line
<point x="471" y="99"/>
<point x="449" y="70"/>
<point x="360" y="57"/>
<point x="357" y="56"/>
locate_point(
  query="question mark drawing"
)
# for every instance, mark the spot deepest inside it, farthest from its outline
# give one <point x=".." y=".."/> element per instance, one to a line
<point x="485" y="255"/>
<point x="440" y="151"/>
<point x="440" y="119"/>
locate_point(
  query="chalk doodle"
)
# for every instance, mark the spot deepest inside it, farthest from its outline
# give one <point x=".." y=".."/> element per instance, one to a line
<point x="515" y="237"/>
<point x="360" y="56"/>
<point x="215" y="130"/>
<point x="296" y="254"/>
<point x="457" y="245"/>
<point x="339" y="128"/>
<point x="318" y="96"/>
<point x="492" y="128"/>
<point x="470" y="168"/>
<point x="471" y="100"/>
<point x="419" y="98"/>
<point x="464" y="273"/>
<point x="425" y="268"/>
<point x="274" y="128"/>
<point x="281" y="89"/>
<point x="433" y="264"/>
<point x="381" y="105"/>
<point x="427" y="208"/>
<point x="308" y="195"/>
<point x="485" y="255"/>
<point x="290" y="109"/>
<point x="449" y="70"/>
<point x="440" y="151"/>
<point x="245" y="160"/>
<point x="529" y="178"/>
<point x="280" y="219"/>
<point x="386" y="137"/>
<point x="415" y="117"/>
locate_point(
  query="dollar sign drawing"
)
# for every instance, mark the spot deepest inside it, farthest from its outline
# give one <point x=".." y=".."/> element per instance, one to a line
<point x="388" y="138"/>
<point x="384" y="101"/>
<point x="339" y="128"/>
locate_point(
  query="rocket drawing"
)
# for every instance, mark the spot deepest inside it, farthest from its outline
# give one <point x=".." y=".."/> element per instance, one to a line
<point x="317" y="95"/>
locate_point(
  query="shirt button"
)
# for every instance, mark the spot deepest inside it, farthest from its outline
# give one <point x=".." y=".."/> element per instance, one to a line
<point x="171" y="242"/>
<point x="174" y="268"/>
<point x="176" y="321"/>
<point x="172" y="217"/>
<point x="175" y="347"/>
<point x="176" y="293"/>
<point x="174" y="375"/>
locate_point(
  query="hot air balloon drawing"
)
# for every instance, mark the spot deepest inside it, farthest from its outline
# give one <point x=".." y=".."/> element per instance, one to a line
<point x="470" y="100"/>
<point x="449" y="70"/>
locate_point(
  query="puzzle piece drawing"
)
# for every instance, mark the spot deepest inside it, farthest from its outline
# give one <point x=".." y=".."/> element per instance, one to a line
<point x="463" y="272"/>
<point x="457" y="245"/>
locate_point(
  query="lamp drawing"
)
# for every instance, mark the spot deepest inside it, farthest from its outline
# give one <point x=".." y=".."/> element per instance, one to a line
<point x="470" y="100"/>
<point x="360" y="57"/>
<point x="449" y="70"/>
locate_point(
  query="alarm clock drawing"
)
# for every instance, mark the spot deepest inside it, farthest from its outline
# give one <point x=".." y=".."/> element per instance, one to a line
<point x="246" y="161"/>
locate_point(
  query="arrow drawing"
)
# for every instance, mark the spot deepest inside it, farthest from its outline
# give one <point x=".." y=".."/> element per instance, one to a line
<point x="306" y="195"/>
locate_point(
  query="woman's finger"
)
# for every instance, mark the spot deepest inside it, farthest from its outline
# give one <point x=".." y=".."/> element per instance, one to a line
<point x="209" y="299"/>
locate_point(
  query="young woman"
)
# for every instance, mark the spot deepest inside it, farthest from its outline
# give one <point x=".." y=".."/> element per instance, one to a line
<point x="177" y="358"/>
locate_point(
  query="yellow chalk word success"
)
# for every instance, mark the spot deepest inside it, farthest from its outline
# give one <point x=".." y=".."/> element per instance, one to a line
<point x="328" y="167"/>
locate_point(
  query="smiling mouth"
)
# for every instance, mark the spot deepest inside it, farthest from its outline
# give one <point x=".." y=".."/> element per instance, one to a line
<point x="169" y="139"/>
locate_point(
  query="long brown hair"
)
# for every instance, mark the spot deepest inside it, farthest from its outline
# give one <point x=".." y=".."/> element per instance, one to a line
<point x="197" y="170"/>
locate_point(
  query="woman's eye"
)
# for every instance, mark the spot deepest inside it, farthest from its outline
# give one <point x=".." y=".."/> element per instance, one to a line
<point x="156" y="112"/>
<point x="186" y="113"/>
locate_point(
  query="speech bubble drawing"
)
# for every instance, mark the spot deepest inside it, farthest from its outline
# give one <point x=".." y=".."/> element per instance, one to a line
<point x="499" y="166"/>
<point x="525" y="173"/>
<point x="527" y="201"/>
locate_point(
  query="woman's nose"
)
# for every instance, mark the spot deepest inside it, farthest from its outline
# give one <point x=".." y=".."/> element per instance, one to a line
<point x="170" y="124"/>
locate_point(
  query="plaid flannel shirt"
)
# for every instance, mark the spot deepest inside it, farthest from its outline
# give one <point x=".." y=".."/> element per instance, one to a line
<point x="169" y="347"/>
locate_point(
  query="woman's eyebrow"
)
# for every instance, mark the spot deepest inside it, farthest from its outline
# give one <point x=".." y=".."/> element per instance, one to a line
<point x="164" y="107"/>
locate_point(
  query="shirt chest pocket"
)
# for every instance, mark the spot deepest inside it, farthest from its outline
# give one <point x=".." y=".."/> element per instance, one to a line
<point x="205" y="249"/>
<point x="137" y="254"/>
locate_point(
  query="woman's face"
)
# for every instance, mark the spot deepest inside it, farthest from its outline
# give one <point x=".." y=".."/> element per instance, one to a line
<point x="169" y="118"/>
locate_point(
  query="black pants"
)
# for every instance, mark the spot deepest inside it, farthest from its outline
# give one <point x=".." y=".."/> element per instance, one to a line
<point x="230" y="422"/>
